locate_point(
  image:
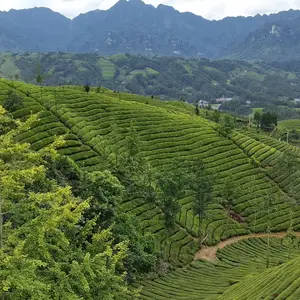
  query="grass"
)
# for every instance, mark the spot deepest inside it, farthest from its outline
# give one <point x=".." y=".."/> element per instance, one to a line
<point x="144" y="72"/>
<point x="8" y="68"/>
<point x="291" y="124"/>
<point x="107" y="68"/>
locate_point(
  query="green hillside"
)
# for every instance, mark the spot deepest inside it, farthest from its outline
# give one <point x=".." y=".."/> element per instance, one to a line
<point x="251" y="85"/>
<point x="291" y="124"/>
<point x="233" y="276"/>
<point x="270" y="284"/>
<point x="265" y="172"/>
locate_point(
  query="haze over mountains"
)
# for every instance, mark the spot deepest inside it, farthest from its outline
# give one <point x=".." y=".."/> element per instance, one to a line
<point x="137" y="28"/>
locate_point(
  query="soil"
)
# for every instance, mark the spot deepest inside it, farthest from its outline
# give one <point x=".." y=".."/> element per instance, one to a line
<point x="210" y="253"/>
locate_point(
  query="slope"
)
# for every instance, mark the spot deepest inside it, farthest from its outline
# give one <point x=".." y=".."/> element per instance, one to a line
<point x="166" y="77"/>
<point x="234" y="274"/>
<point x="168" y="133"/>
<point x="270" y="284"/>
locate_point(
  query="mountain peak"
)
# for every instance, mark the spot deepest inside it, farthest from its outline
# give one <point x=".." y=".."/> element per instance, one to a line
<point x="123" y="3"/>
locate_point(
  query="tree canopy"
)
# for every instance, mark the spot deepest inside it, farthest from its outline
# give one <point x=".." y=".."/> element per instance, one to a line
<point x="48" y="250"/>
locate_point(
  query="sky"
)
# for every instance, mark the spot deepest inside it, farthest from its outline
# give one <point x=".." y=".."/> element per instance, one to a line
<point x="210" y="9"/>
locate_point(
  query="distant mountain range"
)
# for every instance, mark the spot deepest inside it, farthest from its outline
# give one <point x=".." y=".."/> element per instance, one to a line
<point x="131" y="26"/>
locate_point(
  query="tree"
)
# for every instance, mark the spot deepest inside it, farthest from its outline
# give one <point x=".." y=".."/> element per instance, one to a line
<point x="13" y="101"/>
<point x="39" y="78"/>
<point x="230" y="193"/>
<point x="141" y="253"/>
<point x="46" y="250"/>
<point x="171" y="187"/>
<point x="216" y="116"/>
<point x="87" y="88"/>
<point x="197" y="110"/>
<point x="290" y="234"/>
<point x="201" y="186"/>
<point x="257" y="118"/>
<point x="268" y="120"/>
<point x="226" y="126"/>
<point x="268" y="203"/>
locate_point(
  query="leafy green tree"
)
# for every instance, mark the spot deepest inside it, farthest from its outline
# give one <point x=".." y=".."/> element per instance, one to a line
<point x="268" y="120"/>
<point x="40" y="78"/>
<point x="257" y="118"/>
<point x="216" y="116"/>
<point x="201" y="185"/>
<point x="290" y="234"/>
<point x="6" y="122"/>
<point x="267" y="208"/>
<point x="141" y="254"/>
<point x="46" y="250"/>
<point x="226" y="126"/>
<point x="171" y="187"/>
<point x="13" y="101"/>
<point x="87" y="88"/>
<point x="230" y="193"/>
<point x="197" y="110"/>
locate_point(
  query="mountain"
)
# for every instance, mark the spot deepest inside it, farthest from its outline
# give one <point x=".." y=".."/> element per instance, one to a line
<point x="275" y="40"/>
<point x="137" y="28"/>
<point x="37" y="29"/>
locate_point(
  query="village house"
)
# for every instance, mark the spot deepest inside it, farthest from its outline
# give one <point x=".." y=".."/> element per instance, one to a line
<point x="223" y="100"/>
<point x="203" y="103"/>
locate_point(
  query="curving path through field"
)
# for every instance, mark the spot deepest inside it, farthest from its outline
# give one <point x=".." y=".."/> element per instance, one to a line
<point x="210" y="253"/>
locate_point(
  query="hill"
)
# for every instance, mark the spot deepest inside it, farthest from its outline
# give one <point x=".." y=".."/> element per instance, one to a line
<point x="137" y="28"/>
<point x="250" y="85"/>
<point x="260" y="174"/>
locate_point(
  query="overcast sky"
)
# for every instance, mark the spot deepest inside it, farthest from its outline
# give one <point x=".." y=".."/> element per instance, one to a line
<point x="210" y="9"/>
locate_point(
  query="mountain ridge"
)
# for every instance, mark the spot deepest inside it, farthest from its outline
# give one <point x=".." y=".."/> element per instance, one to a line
<point x="136" y="28"/>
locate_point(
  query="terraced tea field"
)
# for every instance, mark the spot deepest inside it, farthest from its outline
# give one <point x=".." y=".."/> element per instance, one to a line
<point x="170" y="132"/>
<point x="233" y="275"/>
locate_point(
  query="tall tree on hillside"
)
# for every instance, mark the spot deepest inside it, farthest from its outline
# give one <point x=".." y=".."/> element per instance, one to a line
<point x="171" y="188"/>
<point x="268" y="207"/>
<point x="201" y="185"/>
<point x="39" y="78"/>
<point x="13" y="101"/>
<point x="268" y="120"/>
<point x="197" y="110"/>
<point x="48" y="250"/>
<point x="230" y="192"/>
<point x="216" y="116"/>
<point x="226" y="125"/>
<point x="257" y="119"/>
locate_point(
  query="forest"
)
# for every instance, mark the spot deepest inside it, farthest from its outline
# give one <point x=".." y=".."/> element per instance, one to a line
<point x="272" y="86"/>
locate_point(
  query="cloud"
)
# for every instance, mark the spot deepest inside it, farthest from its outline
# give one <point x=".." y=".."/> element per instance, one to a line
<point x="211" y="9"/>
<point x="217" y="9"/>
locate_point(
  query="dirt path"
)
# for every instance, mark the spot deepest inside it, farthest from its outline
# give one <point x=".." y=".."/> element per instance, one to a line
<point x="210" y="253"/>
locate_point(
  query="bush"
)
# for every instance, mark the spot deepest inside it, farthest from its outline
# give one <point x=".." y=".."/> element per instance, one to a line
<point x="13" y="102"/>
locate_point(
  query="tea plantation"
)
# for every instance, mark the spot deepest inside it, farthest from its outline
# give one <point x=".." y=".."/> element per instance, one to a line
<point x="263" y="169"/>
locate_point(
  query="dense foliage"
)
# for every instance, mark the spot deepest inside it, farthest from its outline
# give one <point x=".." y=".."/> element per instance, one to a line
<point x="250" y="85"/>
<point x="48" y="249"/>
